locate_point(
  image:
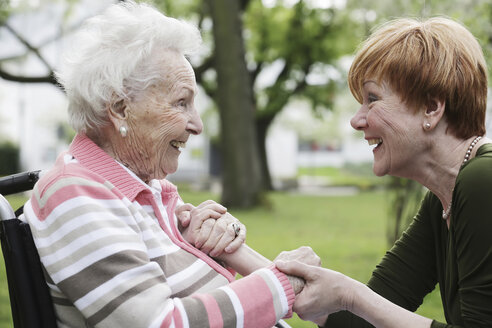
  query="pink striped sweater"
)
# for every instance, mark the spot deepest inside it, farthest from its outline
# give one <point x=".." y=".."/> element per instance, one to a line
<point x="113" y="255"/>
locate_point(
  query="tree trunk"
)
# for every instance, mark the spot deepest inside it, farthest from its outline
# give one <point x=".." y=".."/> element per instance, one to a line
<point x="405" y="198"/>
<point x="262" y="125"/>
<point x="240" y="159"/>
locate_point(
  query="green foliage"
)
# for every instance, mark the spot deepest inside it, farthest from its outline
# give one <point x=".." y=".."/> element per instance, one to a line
<point x="9" y="158"/>
<point x="306" y="41"/>
<point x="475" y="14"/>
<point x="182" y="8"/>
<point x="4" y="10"/>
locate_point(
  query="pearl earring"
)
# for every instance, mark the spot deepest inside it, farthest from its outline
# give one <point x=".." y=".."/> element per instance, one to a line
<point x="123" y="131"/>
<point x="427" y="126"/>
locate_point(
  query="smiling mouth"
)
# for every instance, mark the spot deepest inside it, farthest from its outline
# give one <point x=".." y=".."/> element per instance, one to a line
<point x="375" y="141"/>
<point x="178" y="144"/>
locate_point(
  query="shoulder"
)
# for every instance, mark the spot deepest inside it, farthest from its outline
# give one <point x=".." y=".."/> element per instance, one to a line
<point x="66" y="175"/>
<point x="476" y="176"/>
<point x="473" y="191"/>
<point x="69" y="182"/>
<point x="429" y="206"/>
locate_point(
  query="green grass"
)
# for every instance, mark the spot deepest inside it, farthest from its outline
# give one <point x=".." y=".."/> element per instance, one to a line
<point x="347" y="232"/>
<point x="360" y="175"/>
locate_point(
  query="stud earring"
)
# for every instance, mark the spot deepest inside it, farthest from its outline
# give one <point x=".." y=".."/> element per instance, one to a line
<point x="427" y="126"/>
<point x="123" y="131"/>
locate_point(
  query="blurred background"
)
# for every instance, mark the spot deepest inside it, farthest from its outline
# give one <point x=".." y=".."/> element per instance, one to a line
<point x="270" y="71"/>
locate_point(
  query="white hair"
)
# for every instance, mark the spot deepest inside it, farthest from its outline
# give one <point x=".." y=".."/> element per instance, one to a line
<point x="112" y="58"/>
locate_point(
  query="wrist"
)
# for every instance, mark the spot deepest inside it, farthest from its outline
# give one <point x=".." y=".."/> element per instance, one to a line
<point x="244" y="260"/>
<point x="347" y="292"/>
<point x="296" y="283"/>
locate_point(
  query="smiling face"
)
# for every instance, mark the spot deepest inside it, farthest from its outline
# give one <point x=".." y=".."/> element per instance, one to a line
<point x="393" y="127"/>
<point x="160" y="121"/>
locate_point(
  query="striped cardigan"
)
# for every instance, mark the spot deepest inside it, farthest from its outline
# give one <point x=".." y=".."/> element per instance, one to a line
<point x="113" y="255"/>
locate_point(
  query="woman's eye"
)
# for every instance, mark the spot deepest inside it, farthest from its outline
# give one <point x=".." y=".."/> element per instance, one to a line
<point x="372" y="98"/>
<point x="181" y="103"/>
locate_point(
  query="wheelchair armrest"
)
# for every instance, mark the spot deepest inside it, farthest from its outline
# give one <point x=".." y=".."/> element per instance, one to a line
<point x="18" y="182"/>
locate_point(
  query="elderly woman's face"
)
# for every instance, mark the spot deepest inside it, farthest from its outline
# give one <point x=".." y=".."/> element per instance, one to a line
<point x="161" y="120"/>
<point x="393" y="127"/>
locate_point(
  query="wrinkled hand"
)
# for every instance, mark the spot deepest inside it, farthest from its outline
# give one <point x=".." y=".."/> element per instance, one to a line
<point x="304" y="254"/>
<point x="206" y="210"/>
<point x="210" y="228"/>
<point x="325" y="291"/>
<point x="198" y="221"/>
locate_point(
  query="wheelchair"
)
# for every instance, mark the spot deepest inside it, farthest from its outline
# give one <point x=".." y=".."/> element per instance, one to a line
<point x="30" y="299"/>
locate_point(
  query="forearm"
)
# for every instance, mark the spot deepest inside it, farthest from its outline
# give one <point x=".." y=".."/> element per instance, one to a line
<point x="246" y="260"/>
<point x="380" y="312"/>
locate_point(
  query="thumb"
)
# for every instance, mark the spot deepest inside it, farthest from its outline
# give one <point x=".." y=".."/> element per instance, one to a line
<point x="293" y="268"/>
<point x="183" y="207"/>
<point x="183" y="214"/>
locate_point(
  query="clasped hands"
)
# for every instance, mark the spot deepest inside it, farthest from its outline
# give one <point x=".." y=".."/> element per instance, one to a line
<point x="209" y="227"/>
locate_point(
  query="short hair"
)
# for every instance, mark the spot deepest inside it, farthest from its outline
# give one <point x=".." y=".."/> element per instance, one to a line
<point x="112" y="58"/>
<point x="425" y="59"/>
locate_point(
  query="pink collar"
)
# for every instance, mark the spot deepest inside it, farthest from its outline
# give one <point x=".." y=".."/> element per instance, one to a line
<point x="97" y="160"/>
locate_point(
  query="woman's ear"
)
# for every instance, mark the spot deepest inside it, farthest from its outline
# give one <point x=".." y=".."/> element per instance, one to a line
<point x="117" y="112"/>
<point x="434" y="111"/>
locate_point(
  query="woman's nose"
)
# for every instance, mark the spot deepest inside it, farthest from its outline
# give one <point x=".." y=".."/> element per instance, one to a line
<point x="195" y="124"/>
<point x="359" y="120"/>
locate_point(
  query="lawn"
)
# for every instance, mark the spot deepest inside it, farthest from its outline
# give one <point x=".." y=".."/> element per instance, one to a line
<point x="359" y="175"/>
<point x="347" y="232"/>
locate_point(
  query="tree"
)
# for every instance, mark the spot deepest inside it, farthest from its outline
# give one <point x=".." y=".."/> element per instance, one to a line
<point x="9" y="158"/>
<point x="405" y="198"/>
<point x="29" y="48"/>
<point x="305" y="41"/>
<point x="241" y="184"/>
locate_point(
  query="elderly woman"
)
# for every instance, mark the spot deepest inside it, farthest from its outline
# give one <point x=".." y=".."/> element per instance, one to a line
<point x="423" y="88"/>
<point x="104" y="219"/>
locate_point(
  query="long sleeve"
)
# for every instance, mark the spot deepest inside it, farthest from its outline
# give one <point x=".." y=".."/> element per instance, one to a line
<point x="405" y="274"/>
<point x="109" y="264"/>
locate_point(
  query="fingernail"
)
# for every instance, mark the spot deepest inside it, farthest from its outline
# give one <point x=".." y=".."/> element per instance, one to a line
<point x="228" y="249"/>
